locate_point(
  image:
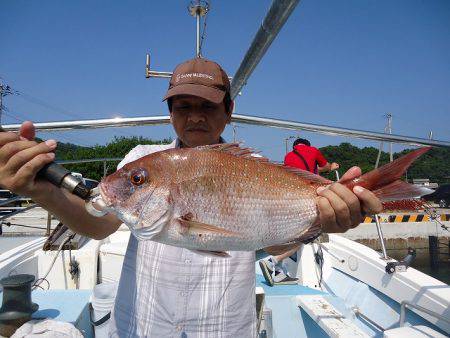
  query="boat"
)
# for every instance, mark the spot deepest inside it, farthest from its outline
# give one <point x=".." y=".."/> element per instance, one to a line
<point x="345" y="289"/>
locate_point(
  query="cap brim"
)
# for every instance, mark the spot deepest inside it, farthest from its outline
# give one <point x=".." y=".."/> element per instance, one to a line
<point x="208" y="93"/>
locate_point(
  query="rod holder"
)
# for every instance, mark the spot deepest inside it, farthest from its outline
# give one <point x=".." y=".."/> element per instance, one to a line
<point x="381" y="237"/>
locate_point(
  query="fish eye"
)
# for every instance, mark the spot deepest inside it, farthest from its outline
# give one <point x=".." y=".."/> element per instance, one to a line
<point x="138" y="177"/>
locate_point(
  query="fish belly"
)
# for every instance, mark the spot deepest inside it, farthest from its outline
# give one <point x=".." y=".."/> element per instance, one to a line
<point x="256" y="219"/>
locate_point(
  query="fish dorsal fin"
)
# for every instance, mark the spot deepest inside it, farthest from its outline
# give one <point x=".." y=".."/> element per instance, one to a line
<point x="307" y="175"/>
<point x="250" y="153"/>
<point x="236" y="150"/>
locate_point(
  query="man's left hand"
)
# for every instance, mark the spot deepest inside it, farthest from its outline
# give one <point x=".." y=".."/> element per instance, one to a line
<point x="341" y="209"/>
<point x="334" y="166"/>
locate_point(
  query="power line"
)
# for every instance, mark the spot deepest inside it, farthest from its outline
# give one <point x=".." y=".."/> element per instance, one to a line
<point x="42" y="103"/>
<point x="4" y="90"/>
<point x="20" y="119"/>
<point x="5" y="110"/>
<point x="35" y="100"/>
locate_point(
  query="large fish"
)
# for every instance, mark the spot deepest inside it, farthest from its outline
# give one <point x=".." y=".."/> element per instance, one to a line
<point x="221" y="197"/>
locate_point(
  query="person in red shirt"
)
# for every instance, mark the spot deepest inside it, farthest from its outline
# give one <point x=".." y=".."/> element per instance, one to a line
<point x="306" y="157"/>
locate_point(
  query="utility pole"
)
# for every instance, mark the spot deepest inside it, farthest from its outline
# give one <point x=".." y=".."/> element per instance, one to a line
<point x="286" y="142"/>
<point x="234" y="132"/>
<point x="389" y="117"/>
<point x="387" y="130"/>
<point x="4" y="90"/>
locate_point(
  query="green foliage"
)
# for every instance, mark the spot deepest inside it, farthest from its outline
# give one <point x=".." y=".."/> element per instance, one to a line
<point x="434" y="165"/>
<point x="117" y="148"/>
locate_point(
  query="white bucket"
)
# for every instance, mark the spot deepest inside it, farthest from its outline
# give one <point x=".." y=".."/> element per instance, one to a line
<point x="103" y="297"/>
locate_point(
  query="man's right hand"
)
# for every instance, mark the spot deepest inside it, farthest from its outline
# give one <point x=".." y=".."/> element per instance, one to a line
<point x="20" y="160"/>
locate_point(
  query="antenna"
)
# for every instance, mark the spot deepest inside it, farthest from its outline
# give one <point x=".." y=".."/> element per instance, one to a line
<point x="198" y="9"/>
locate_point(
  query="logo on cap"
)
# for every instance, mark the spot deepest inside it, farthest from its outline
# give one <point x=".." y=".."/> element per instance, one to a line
<point x="192" y="75"/>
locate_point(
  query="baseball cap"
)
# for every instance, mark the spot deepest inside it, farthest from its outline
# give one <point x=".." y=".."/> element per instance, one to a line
<point x="199" y="77"/>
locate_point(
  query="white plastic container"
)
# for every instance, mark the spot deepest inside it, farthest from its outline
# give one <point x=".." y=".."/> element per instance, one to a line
<point x="102" y="300"/>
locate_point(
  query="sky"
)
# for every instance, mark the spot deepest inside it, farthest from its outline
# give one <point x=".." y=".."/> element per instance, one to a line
<point x="340" y="63"/>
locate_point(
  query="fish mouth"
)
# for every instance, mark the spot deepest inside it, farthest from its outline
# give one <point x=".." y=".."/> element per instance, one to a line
<point x="104" y="194"/>
<point x="100" y="209"/>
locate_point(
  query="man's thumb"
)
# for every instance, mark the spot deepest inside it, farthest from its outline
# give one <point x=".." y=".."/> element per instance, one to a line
<point x="27" y="130"/>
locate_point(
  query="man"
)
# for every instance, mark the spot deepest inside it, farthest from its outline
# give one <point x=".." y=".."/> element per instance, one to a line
<point x="303" y="157"/>
<point x="166" y="291"/>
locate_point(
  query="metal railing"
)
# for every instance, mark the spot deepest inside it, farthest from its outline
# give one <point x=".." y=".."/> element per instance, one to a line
<point x="13" y="213"/>
<point x="358" y="313"/>
<point x="245" y="119"/>
<point x="405" y="304"/>
<point x="13" y="199"/>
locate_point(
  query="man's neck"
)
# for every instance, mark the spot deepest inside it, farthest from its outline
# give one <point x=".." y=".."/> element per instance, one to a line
<point x="179" y="143"/>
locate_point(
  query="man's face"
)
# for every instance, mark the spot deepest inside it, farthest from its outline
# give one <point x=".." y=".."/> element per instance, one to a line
<point x="198" y="121"/>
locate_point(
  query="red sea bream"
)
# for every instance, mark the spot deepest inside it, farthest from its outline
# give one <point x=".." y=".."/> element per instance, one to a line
<point x="222" y="197"/>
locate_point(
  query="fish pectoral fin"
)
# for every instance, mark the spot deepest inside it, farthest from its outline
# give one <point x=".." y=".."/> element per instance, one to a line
<point x="192" y="225"/>
<point x="221" y="254"/>
<point x="280" y="249"/>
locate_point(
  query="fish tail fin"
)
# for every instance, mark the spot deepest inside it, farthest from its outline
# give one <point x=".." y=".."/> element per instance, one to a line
<point x="385" y="181"/>
<point x="400" y="190"/>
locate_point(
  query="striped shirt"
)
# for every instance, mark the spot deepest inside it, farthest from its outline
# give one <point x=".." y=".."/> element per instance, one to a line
<point x="166" y="291"/>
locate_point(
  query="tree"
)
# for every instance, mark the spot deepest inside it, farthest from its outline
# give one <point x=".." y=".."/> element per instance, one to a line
<point x="117" y="148"/>
<point x="434" y="164"/>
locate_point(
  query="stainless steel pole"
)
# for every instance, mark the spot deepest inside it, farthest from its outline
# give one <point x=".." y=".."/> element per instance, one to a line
<point x="275" y="18"/>
<point x="380" y="235"/>
<point x="198" y="34"/>
<point x="245" y="119"/>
